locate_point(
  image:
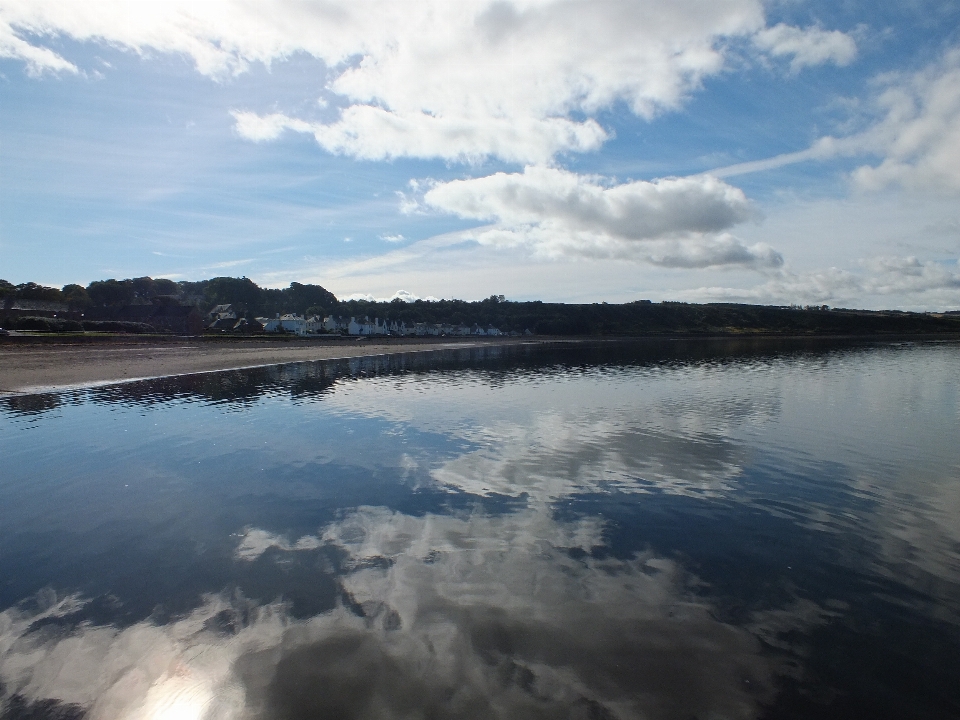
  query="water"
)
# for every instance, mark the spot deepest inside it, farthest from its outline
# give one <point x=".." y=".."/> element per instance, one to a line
<point x="660" y="530"/>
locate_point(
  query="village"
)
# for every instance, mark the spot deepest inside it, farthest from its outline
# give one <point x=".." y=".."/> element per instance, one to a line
<point x="224" y="318"/>
<point x="221" y="319"/>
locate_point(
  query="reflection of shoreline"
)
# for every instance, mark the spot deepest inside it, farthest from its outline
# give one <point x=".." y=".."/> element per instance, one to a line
<point x="53" y="368"/>
<point x="313" y="376"/>
<point x="47" y="366"/>
<point x="299" y="379"/>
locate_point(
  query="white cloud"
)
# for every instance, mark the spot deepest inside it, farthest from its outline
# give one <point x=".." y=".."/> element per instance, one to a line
<point x="812" y="46"/>
<point x="895" y="275"/>
<point x="373" y="133"/>
<point x="37" y="59"/>
<point x="518" y="80"/>
<point x="673" y="222"/>
<point x="265" y="127"/>
<point x="927" y="283"/>
<point x="919" y="136"/>
<point x="393" y="238"/>
<point x="638" y="210"/>
<point x="404" y="295"/>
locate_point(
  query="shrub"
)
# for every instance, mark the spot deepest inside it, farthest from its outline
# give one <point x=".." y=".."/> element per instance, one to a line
<point x="45" y="324"/>
<point x="117" y="326"/>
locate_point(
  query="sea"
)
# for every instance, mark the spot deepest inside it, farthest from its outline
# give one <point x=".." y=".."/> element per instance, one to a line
<point x="660" y="529"/>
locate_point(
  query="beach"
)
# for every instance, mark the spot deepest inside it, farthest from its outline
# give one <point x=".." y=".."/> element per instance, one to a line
<point x="40" y="364"/>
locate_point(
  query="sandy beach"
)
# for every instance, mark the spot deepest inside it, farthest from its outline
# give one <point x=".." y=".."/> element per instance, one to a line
<point x="38" y="365"/>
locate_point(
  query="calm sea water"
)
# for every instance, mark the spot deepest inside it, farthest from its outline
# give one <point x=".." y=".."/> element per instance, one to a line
<point x="661" y="530"/>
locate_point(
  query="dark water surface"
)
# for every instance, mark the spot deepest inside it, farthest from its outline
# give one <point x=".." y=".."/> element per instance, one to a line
<point x="662" y="530"/>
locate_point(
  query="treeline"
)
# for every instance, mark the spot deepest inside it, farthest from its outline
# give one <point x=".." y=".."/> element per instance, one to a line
<point x="245" y="295"/>
<point x="636" y="318"/>
<point x="643" y="317"/>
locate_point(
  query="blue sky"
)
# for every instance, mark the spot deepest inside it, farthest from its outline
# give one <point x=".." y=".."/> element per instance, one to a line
<point x="573" y="151"/>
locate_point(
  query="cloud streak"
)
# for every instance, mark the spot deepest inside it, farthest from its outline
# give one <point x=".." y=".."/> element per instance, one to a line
<point x="916" y="133"/>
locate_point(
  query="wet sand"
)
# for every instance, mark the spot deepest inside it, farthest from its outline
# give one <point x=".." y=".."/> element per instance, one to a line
<point x="35" y="365"/>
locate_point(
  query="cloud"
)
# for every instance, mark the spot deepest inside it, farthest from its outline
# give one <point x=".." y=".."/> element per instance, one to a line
<point x="895" y="275"/>
<point x="372" y="133"/>
<point x="935" y="285"/>
<point x="917" y="133"/>
<point x="673" y="222"/>
<point x="631" y="211"/>
<point x="919" y="137"/>
<point x="521" y="81"/>
<point x="811" y="46"/>
<point x="404" y="295"/>
<point x="723" y="251"/>
<point x="265" y="127"/>
<point x="823" y="149"/>
<point x="393" y="238"/>
<point x="231" y="263"/>
<point x="38" y="59"/>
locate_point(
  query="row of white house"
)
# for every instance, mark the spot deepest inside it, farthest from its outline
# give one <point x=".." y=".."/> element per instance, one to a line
<point x="315" y="325"/>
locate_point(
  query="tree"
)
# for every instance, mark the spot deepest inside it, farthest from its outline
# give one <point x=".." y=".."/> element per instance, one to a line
<point x="242" y="292"/>
<point x="163" y="286"/>
<point x="32" y="291"/>
<point x="299" y="298"/>
<point x="146" y="288"/>
<point x="143" y="287"/>
<point x="111" y="292"/>
<point x="76" y="296"/>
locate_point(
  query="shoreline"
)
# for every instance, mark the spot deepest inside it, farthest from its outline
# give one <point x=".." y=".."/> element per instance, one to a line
<point x="38" y="364"/>
<point x="49" y="366"/>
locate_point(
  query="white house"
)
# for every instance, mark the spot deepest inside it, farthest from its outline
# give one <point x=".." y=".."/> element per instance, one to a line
<point x="285" y="323"/>
<point x="335" y="324"/>
<point x="366" y="327"/>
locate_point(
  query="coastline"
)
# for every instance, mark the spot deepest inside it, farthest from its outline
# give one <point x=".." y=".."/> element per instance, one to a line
<point x="38" y="364"/>
<point x="53" y="365"/>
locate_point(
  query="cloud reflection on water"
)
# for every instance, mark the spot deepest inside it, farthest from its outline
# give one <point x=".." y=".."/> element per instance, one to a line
<point x="545" y="606"/>
<point x="471" y="616"/>
<point x="555" y="456"/>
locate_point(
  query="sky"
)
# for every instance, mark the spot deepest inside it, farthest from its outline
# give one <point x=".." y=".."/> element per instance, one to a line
<point x="780" y="152"/>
